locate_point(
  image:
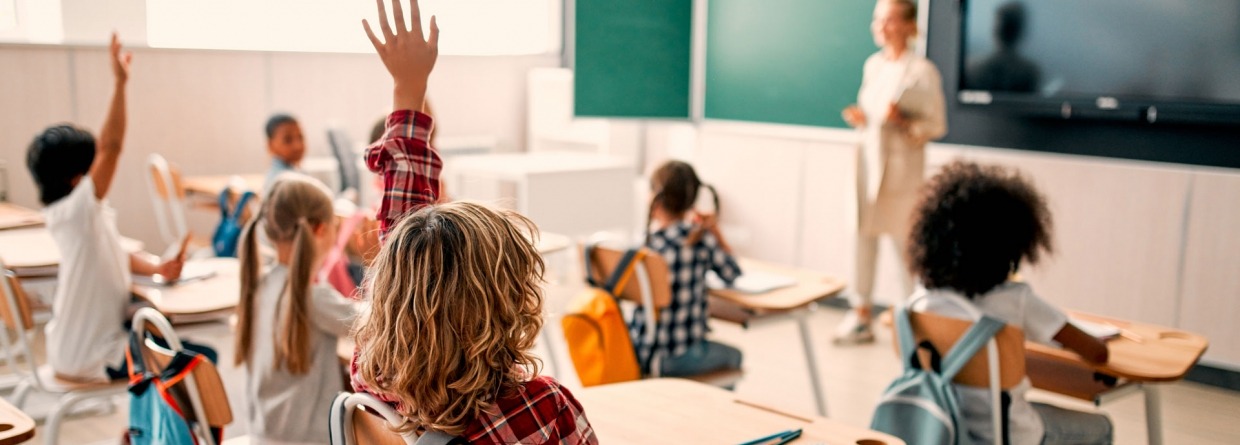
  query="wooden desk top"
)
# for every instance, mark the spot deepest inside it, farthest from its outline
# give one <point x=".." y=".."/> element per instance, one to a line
<point x="15" y="426"/>
<point x="13" y="216"/>
<point x="683" y="411"/>
<point x="31" y="248"/>
<point x="219" y="293"/>
<point x="811" y="286"/>
<point x="1153" y="354"/>
<point x="211" y="185"/>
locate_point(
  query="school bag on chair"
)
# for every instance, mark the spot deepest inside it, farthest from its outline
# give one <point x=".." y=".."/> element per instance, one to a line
<point x="228" y="233"/>
<point x="156" y="404"/>
<point x="595" y="331"/>
<point x="920" y="406"/>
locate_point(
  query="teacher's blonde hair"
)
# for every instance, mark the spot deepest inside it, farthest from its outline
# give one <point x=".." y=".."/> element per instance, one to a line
<point x="456" y="304"/>
<point x="910" y="8"/>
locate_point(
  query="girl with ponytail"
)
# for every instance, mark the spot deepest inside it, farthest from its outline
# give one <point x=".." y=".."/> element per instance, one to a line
<point x="691" y="244"/>
<point x="287" y="326"/>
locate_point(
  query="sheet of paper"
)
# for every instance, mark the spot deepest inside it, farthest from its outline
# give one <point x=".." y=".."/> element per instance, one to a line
<point x="752" y="282"/>
<point x="1097" y="330"/>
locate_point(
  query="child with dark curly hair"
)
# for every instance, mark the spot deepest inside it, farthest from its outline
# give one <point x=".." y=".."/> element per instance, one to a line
<point x="973" y="229"/>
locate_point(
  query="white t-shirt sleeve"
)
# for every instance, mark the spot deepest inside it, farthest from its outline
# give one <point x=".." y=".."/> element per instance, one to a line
<point x="1041" y="320"/>
<point x="77" y="203"/>
<point x="331" y="312"/>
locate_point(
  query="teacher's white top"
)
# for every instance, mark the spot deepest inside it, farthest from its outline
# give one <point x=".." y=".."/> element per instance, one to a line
<point x="892" y="162"/>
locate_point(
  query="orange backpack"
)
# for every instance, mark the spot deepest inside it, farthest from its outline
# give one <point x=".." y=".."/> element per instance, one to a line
<point x="595" y="331"/>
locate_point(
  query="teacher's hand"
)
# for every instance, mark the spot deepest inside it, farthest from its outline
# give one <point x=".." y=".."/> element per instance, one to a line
<point x="896" y="117"/>
<point x="854" y="116"/>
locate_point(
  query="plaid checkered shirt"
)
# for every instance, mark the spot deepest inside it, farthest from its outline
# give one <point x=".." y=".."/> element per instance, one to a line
<point x="540" y="411"/>
<point x="683" y="323"/>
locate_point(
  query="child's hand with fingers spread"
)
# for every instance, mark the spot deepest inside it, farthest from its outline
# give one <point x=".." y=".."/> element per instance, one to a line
<point x="408" y="56"/>
<point x="120" y="61"/>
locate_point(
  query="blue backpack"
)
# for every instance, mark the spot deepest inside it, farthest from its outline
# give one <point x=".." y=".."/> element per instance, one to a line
<point x="227" y="234"/>
<point x="157" y="402"/>
<point x="920" y="406"/>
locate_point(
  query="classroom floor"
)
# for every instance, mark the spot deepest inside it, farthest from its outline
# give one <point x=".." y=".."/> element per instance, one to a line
<point x="775" y="375"/>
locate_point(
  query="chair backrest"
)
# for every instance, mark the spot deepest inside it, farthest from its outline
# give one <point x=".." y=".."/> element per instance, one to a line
<point x="351" y="426"/>
<point x="346" y="160"/>
<point x="204" y="386"/>
<point x="942" y="332"/>
<point x="653" y="266"/>
<point x="168" y="197"/>
<point x="16" y="310"/>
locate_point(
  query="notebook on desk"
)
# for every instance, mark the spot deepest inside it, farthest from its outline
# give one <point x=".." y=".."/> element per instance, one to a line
<point x="752" y="282"/>
<point x="1100" y="331"/>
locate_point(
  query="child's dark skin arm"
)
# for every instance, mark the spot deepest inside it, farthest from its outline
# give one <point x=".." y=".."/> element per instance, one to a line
<point x="1090" y="348"/>
<point x="111" y="137"/>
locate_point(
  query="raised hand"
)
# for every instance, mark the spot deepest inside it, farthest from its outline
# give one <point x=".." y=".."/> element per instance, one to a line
<point x="407" y="55"/>
<point x="120" y="61"/>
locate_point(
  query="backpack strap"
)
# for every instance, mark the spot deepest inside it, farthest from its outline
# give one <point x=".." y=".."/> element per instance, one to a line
<point x="615" y="282"/>
<point x="967" y="346"/>
<point x="904" y="335"/>
<point x="620" y="276"/>
<point x="139" y="378"/>
<point x="235" y="213"/>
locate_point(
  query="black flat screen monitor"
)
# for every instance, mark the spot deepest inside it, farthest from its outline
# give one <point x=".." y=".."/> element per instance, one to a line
<point x="1148" y="60"/>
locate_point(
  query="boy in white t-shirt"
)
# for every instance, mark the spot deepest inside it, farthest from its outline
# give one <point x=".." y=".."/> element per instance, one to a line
<point x="973" y="228"/>
<point x="87" y="335"/>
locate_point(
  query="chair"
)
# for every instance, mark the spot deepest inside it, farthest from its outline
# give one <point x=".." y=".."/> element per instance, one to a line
<point x="17" y="316"/>
<point x="168" y="198"/>
<point x="205" y="389"/>
<point x="352" y="426"/>
<point x="654" y="292"/>
<point x="1007" y="346"/>
<point x="346" y="163"/>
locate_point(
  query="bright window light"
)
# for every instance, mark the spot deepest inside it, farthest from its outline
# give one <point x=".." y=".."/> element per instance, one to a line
<point x="31" y="21"/>
<point x="468" y="27"/>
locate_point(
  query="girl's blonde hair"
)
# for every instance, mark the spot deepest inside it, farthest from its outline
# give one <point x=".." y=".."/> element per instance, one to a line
<point x="290" y="212"/>
<point x="455" y="308"/>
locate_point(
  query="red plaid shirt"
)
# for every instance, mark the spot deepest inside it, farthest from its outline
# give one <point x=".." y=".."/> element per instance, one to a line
<point x="540" y="411"/>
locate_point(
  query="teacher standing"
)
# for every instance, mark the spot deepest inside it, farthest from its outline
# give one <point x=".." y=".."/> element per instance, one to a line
<point x="899" y="108"/>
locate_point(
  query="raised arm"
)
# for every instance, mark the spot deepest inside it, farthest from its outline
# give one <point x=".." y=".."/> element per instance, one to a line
<point x="403" y="156"/>
<point x="112" y="136"/>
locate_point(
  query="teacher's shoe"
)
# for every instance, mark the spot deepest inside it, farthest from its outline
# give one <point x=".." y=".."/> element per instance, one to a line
<point x="852" y="331"/>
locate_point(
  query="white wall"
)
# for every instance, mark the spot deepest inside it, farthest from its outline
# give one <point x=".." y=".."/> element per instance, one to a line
<point x="204" y="110"/>
<point x="1136" y="240"/>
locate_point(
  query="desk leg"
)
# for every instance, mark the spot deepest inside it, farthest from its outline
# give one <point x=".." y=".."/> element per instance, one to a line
<point x="812" y="361"/>
<point x="1153" y="413"/>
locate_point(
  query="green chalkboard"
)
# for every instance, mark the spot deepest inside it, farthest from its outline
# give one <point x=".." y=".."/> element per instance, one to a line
<point x="785" y="61"/>
<point x="632" y="58"/>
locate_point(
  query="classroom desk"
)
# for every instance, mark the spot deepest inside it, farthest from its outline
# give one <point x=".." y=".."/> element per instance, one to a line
<point x="204" y="190"/>
<point x="15" y="426"/>
<point x="209" y="296"/>
<point x="795" y="301"/>
<point x="683" y="411"/>
<point x="31" y="252"/>
<point x="577" y="194"/>
<point x="13" y="216"/>
<point x="1143" y="357"/>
